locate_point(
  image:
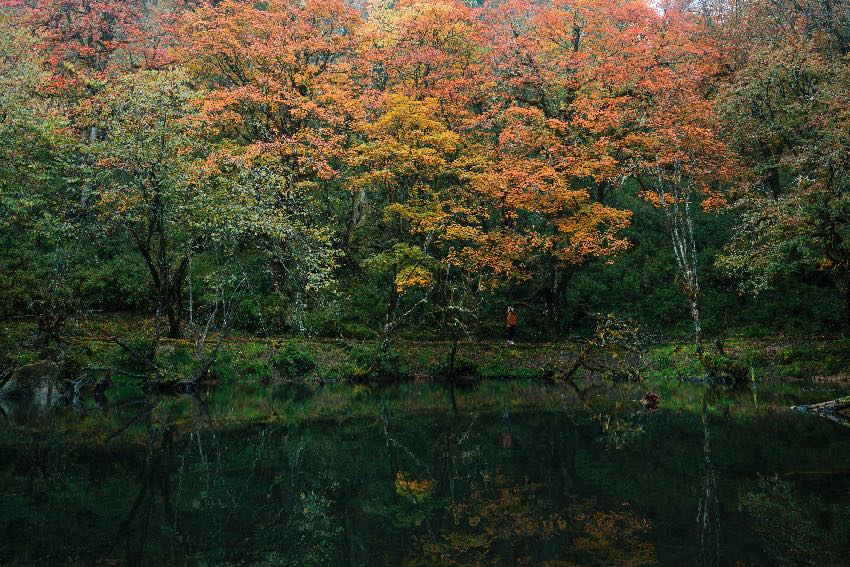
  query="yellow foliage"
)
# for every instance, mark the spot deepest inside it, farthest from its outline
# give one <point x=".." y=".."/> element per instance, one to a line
<point x="415" y="490"/>
<point x="412" y="276"/>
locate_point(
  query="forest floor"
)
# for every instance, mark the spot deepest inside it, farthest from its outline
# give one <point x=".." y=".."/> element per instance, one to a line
<point x="245" y="358"/>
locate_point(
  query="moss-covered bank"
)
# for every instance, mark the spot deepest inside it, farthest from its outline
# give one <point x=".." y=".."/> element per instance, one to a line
<point x="88" y="348"/>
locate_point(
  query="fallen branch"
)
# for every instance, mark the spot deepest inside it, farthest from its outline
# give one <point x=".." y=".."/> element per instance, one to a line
<point x="5" y="375"/>
<point x="830" y="407"/>
<point x="837" y="410"/>
<point x="145" y="360"/>
<point x="613" y="339"/>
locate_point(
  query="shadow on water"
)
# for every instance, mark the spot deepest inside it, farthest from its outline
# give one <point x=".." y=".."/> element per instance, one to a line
<point x="418" y="474"/>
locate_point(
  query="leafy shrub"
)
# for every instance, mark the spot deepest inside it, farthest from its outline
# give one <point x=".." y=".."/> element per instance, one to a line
<point x="371" y="362"/>
<point x="463" y="367"/>
<point x="254" y="370"/>
<point x="509" y="367"/>
<point x="223" y="367"/>
<point x="293" y="361"/>
<point x="174" y="357"/>
<point x="719" y="365"/>
<point x="355" y="331"/>
<point x="127" y="360"/>
<point x="672" y="362"/>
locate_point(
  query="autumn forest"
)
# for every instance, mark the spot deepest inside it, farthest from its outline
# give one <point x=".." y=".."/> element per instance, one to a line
<point x="424" y="282"/>
<point x="410" y="168"/>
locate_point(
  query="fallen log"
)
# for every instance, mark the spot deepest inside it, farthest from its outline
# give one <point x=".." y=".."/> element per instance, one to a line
<point x="837" y="410"/>
<point x="838" y="405"/>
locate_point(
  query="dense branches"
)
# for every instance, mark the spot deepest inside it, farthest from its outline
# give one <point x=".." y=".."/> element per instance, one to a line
<point x="421" y="155"/>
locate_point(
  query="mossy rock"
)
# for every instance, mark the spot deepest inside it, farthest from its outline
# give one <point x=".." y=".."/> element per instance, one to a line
<point x="31" y="389"/>
<point x="38" y="383"/>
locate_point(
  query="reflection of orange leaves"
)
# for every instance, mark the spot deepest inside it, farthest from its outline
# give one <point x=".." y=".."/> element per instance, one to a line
<point x="497" y="518"/>
<point x="613" y="538"/>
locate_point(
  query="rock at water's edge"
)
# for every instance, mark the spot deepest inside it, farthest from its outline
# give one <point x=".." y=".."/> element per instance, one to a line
<point x="37" y="384"/>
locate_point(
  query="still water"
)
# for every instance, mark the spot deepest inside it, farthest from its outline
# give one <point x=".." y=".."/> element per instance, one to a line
<point x="413" y="474"/>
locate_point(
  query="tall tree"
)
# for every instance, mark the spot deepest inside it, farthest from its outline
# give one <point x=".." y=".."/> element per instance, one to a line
<point x="679" y="159"/>
<point x="39" y="237"/>
<point x="786" y="110"/>
<point x="281" y="89"/>
<point x="404" y="166"/>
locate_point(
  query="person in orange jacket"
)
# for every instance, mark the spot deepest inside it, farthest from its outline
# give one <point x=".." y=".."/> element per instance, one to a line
<point x="511" y="324"/>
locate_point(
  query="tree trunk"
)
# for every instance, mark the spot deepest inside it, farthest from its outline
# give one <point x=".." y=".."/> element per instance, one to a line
<point x="392" y="303"/>
<point x="174" y="327"/>
<point x="174" y="301"/>
<point x="453" y="357"/>
<point x="552" y="298"/>
<point x="88" y="187"/>
<point x="846" y="294"/>
<point x="697" y="323"/>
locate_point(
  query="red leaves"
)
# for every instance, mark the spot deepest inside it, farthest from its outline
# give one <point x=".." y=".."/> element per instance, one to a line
<point x="86" y="39"/>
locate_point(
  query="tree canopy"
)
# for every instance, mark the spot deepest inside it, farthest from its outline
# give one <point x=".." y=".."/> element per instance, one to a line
<point x="373" y="168"/>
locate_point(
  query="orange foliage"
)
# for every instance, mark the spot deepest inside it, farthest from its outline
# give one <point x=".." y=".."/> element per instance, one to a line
<point x="280" y="78"/>
<point x="494" y="134"/>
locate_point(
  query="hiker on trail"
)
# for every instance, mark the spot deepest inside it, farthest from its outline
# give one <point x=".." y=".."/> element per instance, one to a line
<point x="511" y="324"/>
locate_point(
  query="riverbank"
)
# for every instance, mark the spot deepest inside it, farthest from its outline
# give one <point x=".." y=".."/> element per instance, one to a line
<point x="89" y="347"/>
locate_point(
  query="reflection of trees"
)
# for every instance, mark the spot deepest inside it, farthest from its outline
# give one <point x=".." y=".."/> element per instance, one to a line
<point x="162" y="473"/>
<point x="466" y="511"/>
<point x="154" y="484"/>
<point x="708" y="509"/>
<point x="502" y="524"/>
<point x="422" y="484"/>
<point x="790" y="532"/>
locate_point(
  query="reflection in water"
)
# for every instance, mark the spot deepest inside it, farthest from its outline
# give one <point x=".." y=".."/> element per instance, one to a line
<point x="708" y="511"/>
<point x="502" y="524"/>
<point x="163" y="460"/>
<point x="502" y="474"/>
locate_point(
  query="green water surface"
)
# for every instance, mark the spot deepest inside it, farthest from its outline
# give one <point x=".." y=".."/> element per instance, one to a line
<point x="502" y="473"/>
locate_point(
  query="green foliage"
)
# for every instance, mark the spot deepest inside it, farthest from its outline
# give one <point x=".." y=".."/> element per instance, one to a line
<point x="717" y="365"/>
<point x="509" y="365"/>
<point x="175" y="356"/>
<point x="464" y="366"/>
<point x="802" y="359"/>
<point x="365" y="362"/>
<point x="240" y="366"/>
<point x="126" y="360"/>
<point x="788" y="530"/>
<point x="337" y="232"/>
<point x="675" y="361"/>
<point x="292" y="360"/>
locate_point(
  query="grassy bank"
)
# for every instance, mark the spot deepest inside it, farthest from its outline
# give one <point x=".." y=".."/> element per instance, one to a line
<point x="246" y="359"/>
